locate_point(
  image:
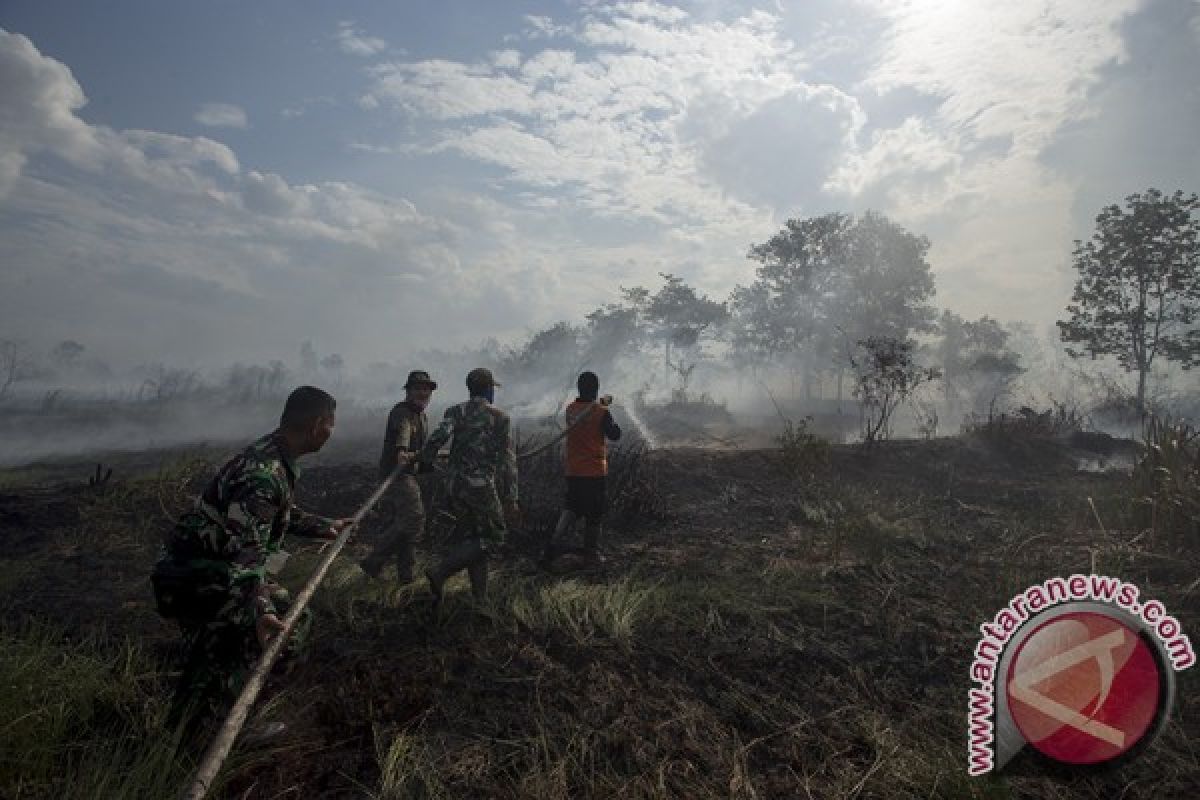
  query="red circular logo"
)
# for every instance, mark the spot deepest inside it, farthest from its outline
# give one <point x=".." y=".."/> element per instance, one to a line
<point x="1084" y="688"/>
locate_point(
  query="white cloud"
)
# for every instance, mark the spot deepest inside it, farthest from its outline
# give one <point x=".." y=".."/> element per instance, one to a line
<point x="642" y="137"/>
<point x="221" y="115"/>
<point x="355" y="42"/>
<point x="616" y="129"/>
<point x="306" y="105"/>
<point x="911" y="150"/>
<point x="506" y="59"/>
<point x="215" y="261"/>
<point x="1018" y="69"/>
<point x="540" y="27"/>
<point x="1004" y="79"/>
<point x="37" y="110"/>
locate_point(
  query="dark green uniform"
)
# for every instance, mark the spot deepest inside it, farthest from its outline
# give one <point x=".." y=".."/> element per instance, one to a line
<point x="212" y="576"/>
<point x="482" y="469"/>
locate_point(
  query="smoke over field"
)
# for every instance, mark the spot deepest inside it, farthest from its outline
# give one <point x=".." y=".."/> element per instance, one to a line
<point x="896" y="306"/>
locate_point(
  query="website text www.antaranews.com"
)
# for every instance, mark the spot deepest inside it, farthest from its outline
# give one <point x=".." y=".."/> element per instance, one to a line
<point x="1032" y="601"/>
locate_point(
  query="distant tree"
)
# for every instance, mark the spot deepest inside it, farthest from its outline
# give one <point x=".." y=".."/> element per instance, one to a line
<point x="826" y="282"/>
<point x="164" y="384"/>
<point x="677" y="316"/>
<point x="976" y="363"/>
<point x="552" y="348"/>
<point x="787" y="305"/>
<point x="66" y="353"/>
<point x="308" y="358"/>
<point x="334" y="364"/>
<point x="753" y="340"/>
<point x="612" y="331"/>
<point x="15" y="364"/>
<point x="887" y="375"/>
<point x="277" y="373"/>
<point x="249" y="383"/>
<point x="1138" y="292"/>
<point x="885" y="286"/>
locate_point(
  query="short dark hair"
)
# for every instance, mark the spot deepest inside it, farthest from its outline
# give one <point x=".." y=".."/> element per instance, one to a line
<point x="588" y="385"/>
<point x="304" y="405"/>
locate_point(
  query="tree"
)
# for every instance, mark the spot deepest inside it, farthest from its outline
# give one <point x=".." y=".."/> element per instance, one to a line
<point x="1138" y="292"/>
<point x="976" y="360"/>
<point x="678" y="316"/>
<point x="786" y="306"/>
<point x="308" y="358"/>
<point x="612" y="331"/>
<point x="828" y="281"/>
<point x="15" y="364"/>
<point x="887" y="375"/>
<point x="333" y="363"/>
<point x="752" y="337"/>
<point x="551" y="355"/>
<point x="66" y="353"/>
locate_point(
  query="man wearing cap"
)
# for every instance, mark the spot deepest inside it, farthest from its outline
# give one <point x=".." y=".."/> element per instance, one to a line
<point x="405" y="435"/>
<point x="482" y="472"/>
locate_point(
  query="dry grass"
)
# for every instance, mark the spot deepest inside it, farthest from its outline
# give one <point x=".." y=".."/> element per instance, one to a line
<point x="772" y="638"/>
<point x="1166" y="481"/>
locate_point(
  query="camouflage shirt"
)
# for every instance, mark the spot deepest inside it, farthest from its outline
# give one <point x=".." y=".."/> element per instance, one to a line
<point x="244" y="513"/>
<point x="406" y="430"/>
<point x="481" y="452"/>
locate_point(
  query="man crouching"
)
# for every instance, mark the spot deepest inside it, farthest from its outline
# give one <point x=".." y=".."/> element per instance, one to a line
<point x="212" y="577"/>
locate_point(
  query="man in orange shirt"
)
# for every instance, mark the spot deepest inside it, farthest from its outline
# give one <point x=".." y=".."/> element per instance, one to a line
<point x="590" y="425"/>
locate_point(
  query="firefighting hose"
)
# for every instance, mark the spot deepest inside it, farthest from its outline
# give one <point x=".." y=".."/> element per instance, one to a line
<point x="603" y="402"/>
<point x="215" y="756"/>
<point x="219" y="749"/>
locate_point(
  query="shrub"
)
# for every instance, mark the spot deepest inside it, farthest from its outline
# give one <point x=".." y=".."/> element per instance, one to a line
<point x="1166" y="481"/>
<point x="803" y="451"/>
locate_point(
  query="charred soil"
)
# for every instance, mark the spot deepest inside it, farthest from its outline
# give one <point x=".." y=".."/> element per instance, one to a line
<point x="757" y="631"/>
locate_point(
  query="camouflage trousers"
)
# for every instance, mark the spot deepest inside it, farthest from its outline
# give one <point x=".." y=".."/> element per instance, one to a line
<point x="220" y="653"/>
<point x="479" y="527"/>
<point x="404" y="513"/>
<point x="477" y="514"/>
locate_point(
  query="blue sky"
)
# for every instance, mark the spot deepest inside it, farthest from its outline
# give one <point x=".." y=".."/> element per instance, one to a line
<point x="212" y="182"/>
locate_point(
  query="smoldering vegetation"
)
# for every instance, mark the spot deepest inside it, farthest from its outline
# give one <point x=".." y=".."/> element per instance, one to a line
<point x="826" y="485"/>
<point x="838" y="327"/>
<point x="796" y="616"/>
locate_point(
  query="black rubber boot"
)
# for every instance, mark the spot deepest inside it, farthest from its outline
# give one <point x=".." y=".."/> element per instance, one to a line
<point x="372" y="566"/>
<point x="460" y="558"/>
<point x="478" y="572"/>
<point x="591" y="544"/>
<point x="566" y="520"/>
<point x="405" y="558"/>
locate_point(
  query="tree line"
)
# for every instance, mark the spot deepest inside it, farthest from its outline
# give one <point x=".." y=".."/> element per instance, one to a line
<point x="835" y="299"/>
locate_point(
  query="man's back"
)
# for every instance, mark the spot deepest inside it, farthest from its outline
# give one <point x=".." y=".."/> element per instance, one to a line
<point x="480" y="446"/>
<point x="252" y="490"/>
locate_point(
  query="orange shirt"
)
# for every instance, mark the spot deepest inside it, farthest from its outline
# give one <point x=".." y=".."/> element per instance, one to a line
<point x="587" y="451"/>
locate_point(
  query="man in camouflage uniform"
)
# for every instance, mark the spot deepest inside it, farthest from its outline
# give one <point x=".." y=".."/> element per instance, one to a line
<point x="405" y="434"/>
<point x="213" y="577"/>
<point x="482" y="470"/>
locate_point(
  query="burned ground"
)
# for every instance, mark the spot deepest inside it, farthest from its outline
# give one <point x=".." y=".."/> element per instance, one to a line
<point x="762" y="629"/>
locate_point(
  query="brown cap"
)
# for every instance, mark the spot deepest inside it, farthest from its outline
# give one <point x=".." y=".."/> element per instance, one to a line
<point x="481" y="378"/>
<point x="419" y="377"/>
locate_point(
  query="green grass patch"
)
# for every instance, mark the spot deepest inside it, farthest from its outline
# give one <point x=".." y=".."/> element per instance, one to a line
<point x="82" y="719"/>
<point x="586" y="613"/>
